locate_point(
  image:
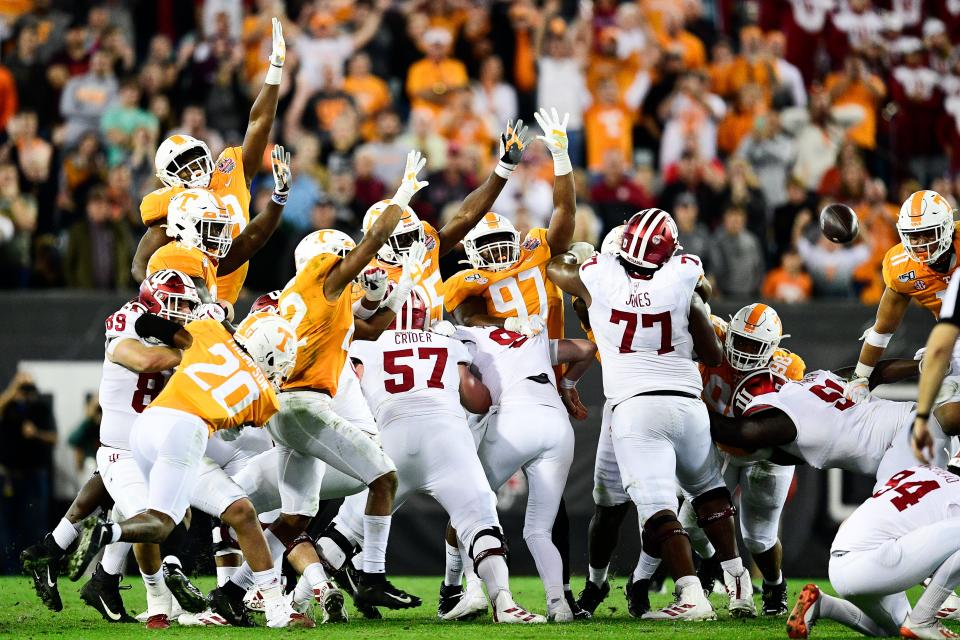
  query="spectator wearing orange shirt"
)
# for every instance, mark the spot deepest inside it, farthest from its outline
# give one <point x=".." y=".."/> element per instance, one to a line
<point x="855" y="85"/>
<point x="754" y="65"/>
<point x="739" y="122"/>
<point x="878" y="224"/>
<point x="369" y="92"/>
<point x="460" y="125"/>
<point x="720" y="69"/>
<point x="8" y="96"/>
<point x="690" y="117"/>
<point x="607" y="124"/>
<point x="674" y="35"/>
<point x="788" y="283"/>
<point x="430" y="80"/>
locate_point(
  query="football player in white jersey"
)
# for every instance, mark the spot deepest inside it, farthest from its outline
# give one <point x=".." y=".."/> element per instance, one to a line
<point x="647" y="321"/>
<point x="528" y="429"/>
<point x="415" y="382"/>
<point x="907" y="531"/>
<point x="812" y="422"/>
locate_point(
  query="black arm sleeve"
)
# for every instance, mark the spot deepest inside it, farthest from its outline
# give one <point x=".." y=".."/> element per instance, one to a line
<point x="149" y="325"/>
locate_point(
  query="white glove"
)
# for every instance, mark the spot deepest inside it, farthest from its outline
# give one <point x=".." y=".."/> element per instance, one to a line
<point x="277" y="55"/>
<point x="555" y="137"/>
<point x="444" y="328"/>
<point x="858" y="389"/>
<point x="582" y="251"/>
<point x="529" y="326"/>
<point x="374" y="282"/>
<point x="210" y="311"/>
<point x="411" y="263"/>
<point x="280" y="164"/>
<point x="410" y="185"/>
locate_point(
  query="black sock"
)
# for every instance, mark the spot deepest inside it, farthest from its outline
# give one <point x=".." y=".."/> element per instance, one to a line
<point x="561" y="539"/>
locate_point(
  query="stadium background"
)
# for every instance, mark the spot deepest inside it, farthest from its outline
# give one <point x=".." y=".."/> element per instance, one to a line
<point x="740" y="117"/>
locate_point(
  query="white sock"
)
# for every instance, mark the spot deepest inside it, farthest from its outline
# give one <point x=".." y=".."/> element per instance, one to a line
<point x="733" y="566"/>
<point x="159" y="598"/>
<point x="268" y="584"/>
<point x="114" y="557"/>
<point x="115" y="532"/>
<point x="244" y="577"/>
<point x="453" y="571"/>
<point x="847" y="614"/>
<point x="686" y="582"/>
<point x="65" y="533"/>
<point x="315" y="575"/>
<point x="647" y="565"/>
<point x="929" y="603"/>
<point x="302" y="593"/>
<point x="224" y="574"/>
<point x="357" y="561"/>
<point x="376" y="530"/>
<point x="598" y="576"/>
<point x="775" y="582"/>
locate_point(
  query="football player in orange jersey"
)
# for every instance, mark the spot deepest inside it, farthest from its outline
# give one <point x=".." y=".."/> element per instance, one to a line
<point x="440" y="242"/>
<point x="309" y="432"/>
<point x="183" y="162"/>
<point x="919" y="267"/>
<point x="206" y="246"/>
<point x="224" y="381"/>
<point x="507" y="284"/>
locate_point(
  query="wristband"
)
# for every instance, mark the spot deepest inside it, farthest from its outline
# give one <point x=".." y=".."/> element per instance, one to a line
<point x="273" y="74"/>
<point x="362" y="312"/>
<point x="398" y="298"/>
<point x="863" y="370"/>
<point x="504" y="170"/>
<point x="280" y="198"/>
<point x="561" y="164"/>
<point x="923" y="416"/>
<point x="874" y="339"/>
<point x="567" y="383"/>
<point x="581" y="251"/>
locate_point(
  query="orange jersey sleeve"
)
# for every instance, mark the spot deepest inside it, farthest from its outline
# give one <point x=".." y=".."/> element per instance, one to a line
<point x="193" y="262"/>
<point x="218" y="382"/>
<point x="915" y="279"/>
<point x="788" y="364"/>
<point x="324" y="328"/>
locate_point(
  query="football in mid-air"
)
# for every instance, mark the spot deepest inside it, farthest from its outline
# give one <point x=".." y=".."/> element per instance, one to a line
<point x="839" y="223"/>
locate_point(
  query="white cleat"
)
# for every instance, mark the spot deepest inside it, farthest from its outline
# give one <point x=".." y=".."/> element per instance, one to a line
<point x="506" y="611"/>
<point x="203" y="619"/>
<point x="559" y="611"/>
<point x="933" y="630"/>
<point x="280" y="615"/>
<point x="472" y="604"/>
<point x="950" y="609"/>
<point x="740" y="591"/>
<point x="253" y="601"/>
<point x="330" y="600"/>
<point x="690" y="604"/>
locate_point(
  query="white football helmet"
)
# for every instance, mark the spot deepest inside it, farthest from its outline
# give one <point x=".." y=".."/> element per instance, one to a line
<point x="198" y="218"/>
<point x="611" y="242"/>
<point x="753" y="334"/>
<point x="271" y="342"/>
<point x="329" y="241"/>
<point x="925" y="225"/>
<point x="408" y="231"/>
<point x="492" y="245"/>
<point x="184" y="161"/>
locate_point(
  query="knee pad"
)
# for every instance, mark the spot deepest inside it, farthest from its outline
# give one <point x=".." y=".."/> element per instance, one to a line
<point x="224" y="543"/>
<point x="334" y="547"/>
<point x="495" y="547"/>
<point x="720" y="493"/>
<point x="658" y="529"/>
<point x="300" y="539"/>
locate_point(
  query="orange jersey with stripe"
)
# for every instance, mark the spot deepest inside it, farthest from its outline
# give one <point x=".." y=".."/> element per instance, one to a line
<point x="230" y="184"/>
<point x="915" y="279"/>
<point x="430" y="287"/>
<point x="524" y="286"/>
<point x="721" y="381"/>
<point x="192" y="261"/>
<point x="324" y="328"/>
<point x="218" y="382"/>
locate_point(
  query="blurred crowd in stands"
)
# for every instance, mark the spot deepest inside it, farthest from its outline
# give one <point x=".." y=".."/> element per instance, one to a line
<point x="741" y="117"/>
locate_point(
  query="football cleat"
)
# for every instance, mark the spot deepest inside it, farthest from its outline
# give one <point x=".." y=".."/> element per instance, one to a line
<point x="450" y="597"/>
<point x="348" y="578"/>
<point x="187" y="594"/>
<point x="638" y="597"/>
<point x="375" y="590"/>
<point x="689" y="604"/>
<point x="740" y="591"/>
<point x="330" y="600"/>
<point x="775" y="599"/>
<point x="805" y="612"/>
<point x="933" y="630"/>
<point x="102" y="592"/>
<point x="592" y="595"/>
<point x="159" y="621"/>
<point x="559" y="611"/>
<point x="472" y="605"/>
<point x="229" y="606"/>
<point x="203" y="619"/>
<point x="253" y="601"/>
<point x="41" y="562"/>
<point x="506" y="611"/>
<point x="578" y="612"/>
<point x="82" y="554"/>
<point x="280" y="615"/>
<point x="950" y="609"/>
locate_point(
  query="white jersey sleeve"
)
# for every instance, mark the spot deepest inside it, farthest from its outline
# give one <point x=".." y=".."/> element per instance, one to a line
<point x="911" y="499"/>
<point x="411" y="373"/>
<point x="507" y="361"/>
<point x="833" y="431"/>
<point x="123" y="393"/>
<point x="641" y="326"/>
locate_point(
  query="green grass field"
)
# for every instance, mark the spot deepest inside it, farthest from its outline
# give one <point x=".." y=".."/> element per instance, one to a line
<point x="23" y="616"/>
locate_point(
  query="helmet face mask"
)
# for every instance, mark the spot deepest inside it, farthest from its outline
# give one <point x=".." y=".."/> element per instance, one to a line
<point x="400" y="242"/>
<point x="217" y="236"/>
<point x="197" y="218"/>
<point x="745" y="353"/>
<point x="926" y="226"/>
<point x="752" y="337"/>
<point x="184" y="161"/>
<point x="408" y="231"/>
<point x="492" y="245"/>
<point x="926" y="245"/>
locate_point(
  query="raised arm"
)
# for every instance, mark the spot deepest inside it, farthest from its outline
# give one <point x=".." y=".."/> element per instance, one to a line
<point x="264" y="109"/>
<point x="261" y="226"/>
<point x="560" y="231"/>
<point x="564" y="271"/>
<point x="368" y="29"/>
<point x="705" y="341"/>
<point x="153" y="239"/>
<point x="376" y="321"/>
<point x="478" y="203"/>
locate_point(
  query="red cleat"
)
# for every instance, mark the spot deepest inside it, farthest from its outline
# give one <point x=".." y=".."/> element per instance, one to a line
<point x="158" y="621"/>
<point x="804" y="613"/>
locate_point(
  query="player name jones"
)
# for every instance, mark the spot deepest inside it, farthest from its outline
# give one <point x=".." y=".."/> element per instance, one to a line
<point x="639" y="299"/>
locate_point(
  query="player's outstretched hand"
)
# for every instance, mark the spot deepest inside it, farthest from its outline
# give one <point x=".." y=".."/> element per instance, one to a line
<point x="410" y="184"/>
<point x="279" y="52"/>
<point x="554" y="130"/>
<point x="280" y="164"/>
<point x="529" y="326"/>
<point x="210" y="311"/>
<point x="411" y="262"/>
<point x="571" y="400"/>
<point x="443" y="328"/>
<point x="922" y="441"/>
<point x="857" y="389"/>
<point x="512" y="143"/>
<point x="374" y="282"/>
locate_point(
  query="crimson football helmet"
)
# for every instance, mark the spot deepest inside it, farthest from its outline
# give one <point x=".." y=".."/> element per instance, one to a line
<point x="755" y="384"/>
<point x="268" y="302"/>
<point x="650" y="238"/>
<point x="413" y="315"/>
<point x="170" y="294"/>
